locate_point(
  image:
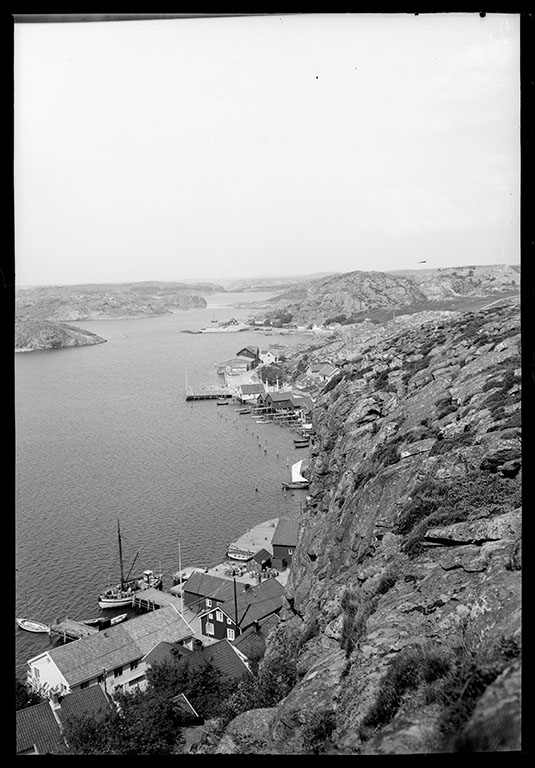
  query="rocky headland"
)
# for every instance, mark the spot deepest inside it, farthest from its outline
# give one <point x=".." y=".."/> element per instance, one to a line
<point x="353" y="296"/>
<point x="31" y="335"/>
<point x="44" y="310"/>
<point x="403" y="617"/>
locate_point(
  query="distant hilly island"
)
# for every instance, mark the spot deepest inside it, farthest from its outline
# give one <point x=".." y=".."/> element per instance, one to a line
<point x="43" y="313"/>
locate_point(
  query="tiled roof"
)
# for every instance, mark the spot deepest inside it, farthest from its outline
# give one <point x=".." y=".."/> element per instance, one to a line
<point x="89" y="701"/>
<point x="221" y="655"/>
<point x="37" y="727"/>
<point x="250" y="349"/>
<point x="86" y="658"/>
<point x="209" y="586"/>
<point x="286" y="532"/>
<point x="224" y="658"/>
<point x="253" y="640"/>
<point x="256" y="602"/>
<point x="262" y="556"/>
<point x="252" y="389"/>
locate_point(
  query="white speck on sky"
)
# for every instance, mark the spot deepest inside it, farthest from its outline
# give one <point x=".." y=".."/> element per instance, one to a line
<point x="278" y="145"/>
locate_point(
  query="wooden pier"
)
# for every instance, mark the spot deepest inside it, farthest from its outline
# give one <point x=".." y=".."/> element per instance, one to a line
<point x="69" y="629"/>
<point x="208" y="394"/>
<point x="152" y="599"/>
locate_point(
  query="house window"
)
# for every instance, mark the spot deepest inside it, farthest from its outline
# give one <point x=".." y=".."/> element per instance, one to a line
<point x="117" y="671"/>
<point x="219" y="615"/>
<point x="230" y="634"/>
<point x="85" y="684"/>
<point x="211" y="616"/>
<point x="209" y="628"/>
<point x="36" y="672"/>
<point x="134" y="664"/>
<point x="229" y="621"/>
<point x="290" y="551"/>
<point x="208" y="602"/>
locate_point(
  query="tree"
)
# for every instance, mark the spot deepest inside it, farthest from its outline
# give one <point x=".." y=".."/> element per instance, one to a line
<point x="25" y="696"/>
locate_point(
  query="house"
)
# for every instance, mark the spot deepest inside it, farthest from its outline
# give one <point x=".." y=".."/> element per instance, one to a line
<point x="112" y="657"/>
<point x="268" y="356"/>
<point x="249" y="393"/>
<point x="261" y="561"/>
<point x="229" y="661"/>
<point x="40" y="727"/>
<point x="250" y="353"/>
<point x="229" y="619"/>
<point x="303" y="403"/>
<point x="277" y="401"/>
<point x="314" y="368"/>
<point x="235" y="366"/>
<point x="252" y="642"/>
<point x="203" y="591"/>
<point x="284" y="542"/>
<point x="327" y="372"/>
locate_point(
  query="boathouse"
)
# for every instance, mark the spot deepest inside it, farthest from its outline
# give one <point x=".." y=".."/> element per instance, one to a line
<point x="249" y="393"/>
<point x="259" y="562"/>
<point x="251" y="353"/>
<point x="284" y="542"/>
<point x="230" y="619"/>
<point x="40" y="727"/>
<point x="111" y="658"/>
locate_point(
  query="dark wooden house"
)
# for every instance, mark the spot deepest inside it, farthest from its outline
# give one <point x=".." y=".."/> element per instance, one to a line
<point x="284" y="542"/>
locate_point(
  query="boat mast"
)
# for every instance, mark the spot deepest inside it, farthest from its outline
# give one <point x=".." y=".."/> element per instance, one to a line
<point x="120" y="553"/>
<point x="180" y="577"/>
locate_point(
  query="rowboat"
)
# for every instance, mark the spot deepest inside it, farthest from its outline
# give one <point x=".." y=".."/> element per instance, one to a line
<point x="32" y="626"/>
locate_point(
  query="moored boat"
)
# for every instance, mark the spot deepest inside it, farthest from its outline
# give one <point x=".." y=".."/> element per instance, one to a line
<point x="297" y="480"/>
<point x="121" y="595"/>
<point x="233" y="553"/>
<point x="32" y="626"/>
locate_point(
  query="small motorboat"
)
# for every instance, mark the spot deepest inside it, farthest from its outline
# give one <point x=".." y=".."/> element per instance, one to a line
<point x="222" y="401"/>
<point x="33" y="626"/>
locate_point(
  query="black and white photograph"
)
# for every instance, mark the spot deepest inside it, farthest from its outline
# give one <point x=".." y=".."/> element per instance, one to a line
<point x="267" y="384"/>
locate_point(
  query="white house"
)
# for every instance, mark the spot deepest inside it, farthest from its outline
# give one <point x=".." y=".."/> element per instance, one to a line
<point x="268" y="356"/>
<point x="112" y="657"/>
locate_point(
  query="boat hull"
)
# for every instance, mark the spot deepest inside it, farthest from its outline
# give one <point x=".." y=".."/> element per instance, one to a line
<point x="114" y="602"/>
<point x="33" y="626"/>
<point x="295" y="486"/>
<point x="233" y="554"/>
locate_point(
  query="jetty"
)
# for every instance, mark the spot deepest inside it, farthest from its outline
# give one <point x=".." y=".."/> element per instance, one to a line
<point x="69" y="629"/>
<point x="151" y="599"/>
<point x="208" y="393"/>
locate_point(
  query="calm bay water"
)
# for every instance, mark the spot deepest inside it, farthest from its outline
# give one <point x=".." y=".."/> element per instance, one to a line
<point x="104" y="433"/>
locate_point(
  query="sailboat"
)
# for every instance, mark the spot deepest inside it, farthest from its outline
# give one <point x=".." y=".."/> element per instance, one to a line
<point x="29" y="624"/>
<point x="122" y="594"/>
<point x="297" y="481"/>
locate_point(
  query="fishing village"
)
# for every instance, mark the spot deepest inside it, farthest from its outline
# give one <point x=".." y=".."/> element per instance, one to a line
<point x="222" y="613"/>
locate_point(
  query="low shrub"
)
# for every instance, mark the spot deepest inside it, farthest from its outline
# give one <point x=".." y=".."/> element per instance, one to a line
<point x="318" y="731"/>
<point x="356" y="607"/>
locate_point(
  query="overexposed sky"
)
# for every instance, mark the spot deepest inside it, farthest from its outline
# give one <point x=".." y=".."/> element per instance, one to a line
<point x="280" y="145"/>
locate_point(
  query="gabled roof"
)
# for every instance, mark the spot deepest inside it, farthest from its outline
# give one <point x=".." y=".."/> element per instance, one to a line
<point x="301" y="401"/>
<point x="221" y="655"/>
<point x="256" y="602"/>
<point x="224" y="657"/>
<point x="253" y="639"/>
<point x="86" y="658"/>
<point x="250" y="350"/>
<point x="89" y="701"/>
<point x="252" y="389"/>
<point x="262" y="556"/>
<point x="209" y="586"/>
<point x="241" y="361"/>
<point x="286" y="532"/>
<point x="327" y="370"/>
<point x="37" y="727"/>
<point x="276" y="397"/>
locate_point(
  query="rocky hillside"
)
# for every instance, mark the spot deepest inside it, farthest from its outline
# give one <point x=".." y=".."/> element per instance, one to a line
<point x="103" y="302"/>
<point x="354" y="295"/>
<point x="404" y="612"/>
<point x="43" y="334"/>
